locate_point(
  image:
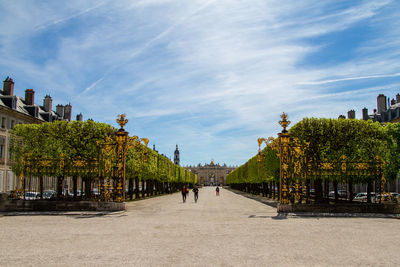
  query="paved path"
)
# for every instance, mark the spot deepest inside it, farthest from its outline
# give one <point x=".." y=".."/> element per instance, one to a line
<point x="229" y="230"/>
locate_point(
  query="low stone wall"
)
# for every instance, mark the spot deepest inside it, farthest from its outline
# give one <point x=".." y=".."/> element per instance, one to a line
<point x="56" y="205"/>
<point x="341" y="208"/>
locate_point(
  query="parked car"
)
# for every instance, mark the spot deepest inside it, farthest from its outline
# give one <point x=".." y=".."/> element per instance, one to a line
<point x="397" y="198"/>
<point x="341" y="194"/>
<point x="95" y="192"/>
<point x="362" y="196"/>
<point x="49" y="194"/>
<point x="31" y="196"/>
<point x="312" y="192"/>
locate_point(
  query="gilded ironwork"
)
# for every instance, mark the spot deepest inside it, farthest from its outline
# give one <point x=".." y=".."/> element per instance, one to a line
<point x="108" y="167"/>
<point x="361" y="166"/>
<point x="284" y="122"/>
<point x="122" y="121"/>
<point x="296" y="169"/>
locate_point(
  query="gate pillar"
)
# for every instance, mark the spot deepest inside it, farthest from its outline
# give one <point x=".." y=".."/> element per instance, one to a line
<point x="121" y="139"/>
<point x="284" y="154"/>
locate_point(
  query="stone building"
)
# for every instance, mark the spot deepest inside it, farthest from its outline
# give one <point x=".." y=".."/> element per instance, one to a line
<point x="211" y="174"/>
<point x="15" y="110"/>
<point x="388" y="110"/>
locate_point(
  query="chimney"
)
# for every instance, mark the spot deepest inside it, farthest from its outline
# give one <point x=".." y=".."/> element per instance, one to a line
<point x="398" y="98"/>
<point x="381" y="99"/>
<point x="8" y="88"/>
<point x="351" y="114"/>
<point x="79" y="117"/>
<point x="67" y="112"/>
<point x="29" y="97"/>
<point x="60" y="110"/>
<point x="365" y="114"/>
<point x="47" y="103"/>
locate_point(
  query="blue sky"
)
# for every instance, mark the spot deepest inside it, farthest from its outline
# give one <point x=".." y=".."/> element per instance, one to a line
<point x="210" y="76"/>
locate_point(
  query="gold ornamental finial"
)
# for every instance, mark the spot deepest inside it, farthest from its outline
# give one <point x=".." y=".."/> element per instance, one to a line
<point x="121" y="120"/>
<point x="284" y="122"/>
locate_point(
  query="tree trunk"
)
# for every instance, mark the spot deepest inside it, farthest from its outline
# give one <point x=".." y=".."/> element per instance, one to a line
<point x="335" y="188"/>
<point x="326" y="190"/>
<point x="88" y="188"/>
<point x="41" y="186"/>
<point x="130" y="188"/>
<point x="369" y="189"/>
<point x="60" y="180"/>
<point x="318" y="190"/>
<point x="143" y="189"/>
<point x="137" y="195"/>
<point x="351" y="193"/>
<point x="75" y="186"/>
<point x="82" y="187"/>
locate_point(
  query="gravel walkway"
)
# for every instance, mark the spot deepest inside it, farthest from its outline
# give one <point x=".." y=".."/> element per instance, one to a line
<point x="229" y="230"/>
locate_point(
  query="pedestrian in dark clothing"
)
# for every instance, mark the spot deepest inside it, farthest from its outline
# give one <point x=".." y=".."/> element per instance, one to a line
<point x="217" y="191"/>
<point x="196" y="193"/>
<point x="184" y="194"/>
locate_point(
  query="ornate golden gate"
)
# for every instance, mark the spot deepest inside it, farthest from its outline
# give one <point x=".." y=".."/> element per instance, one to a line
<point x="296" y="169"/>
<point x="109" y="167"/>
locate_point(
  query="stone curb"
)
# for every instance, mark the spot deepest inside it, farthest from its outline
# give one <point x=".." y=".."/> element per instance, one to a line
<point x="338" y="215"/>
<point x="59" y="213"/>
<point x="283" y="215"/>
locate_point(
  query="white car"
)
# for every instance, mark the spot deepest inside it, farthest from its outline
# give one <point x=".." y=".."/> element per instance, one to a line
<point x="362" y="196"/>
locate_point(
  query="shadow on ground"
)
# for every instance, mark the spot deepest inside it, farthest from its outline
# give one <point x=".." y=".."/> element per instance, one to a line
<point x="264" y="200"/>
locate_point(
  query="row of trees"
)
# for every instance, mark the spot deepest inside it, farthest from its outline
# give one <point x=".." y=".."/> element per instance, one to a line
<point x="333" y="142"/>
<point x="83" y="149"/>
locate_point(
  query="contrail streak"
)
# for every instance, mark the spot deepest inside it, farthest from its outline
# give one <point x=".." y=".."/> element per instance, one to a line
<point x="148" y="44"/>
<point x="54" y="22"/>
<point x="351" y="79"/>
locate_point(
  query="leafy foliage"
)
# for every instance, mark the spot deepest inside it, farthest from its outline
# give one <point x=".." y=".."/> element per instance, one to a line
<point x="328" y="140"/>
<point x="77" y="140"/>
<point x="257" y="169"/>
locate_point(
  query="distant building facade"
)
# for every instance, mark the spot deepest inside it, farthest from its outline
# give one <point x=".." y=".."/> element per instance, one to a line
<point x="17" y="110"/>
<point x="211" y="174"/>
<point x="388" y="110"/>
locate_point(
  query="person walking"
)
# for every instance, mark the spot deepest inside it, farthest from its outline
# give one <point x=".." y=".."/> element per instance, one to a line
<point x="196" y="193"/>
<point x="184" y="194"/>
<point x="217" y="191"/>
